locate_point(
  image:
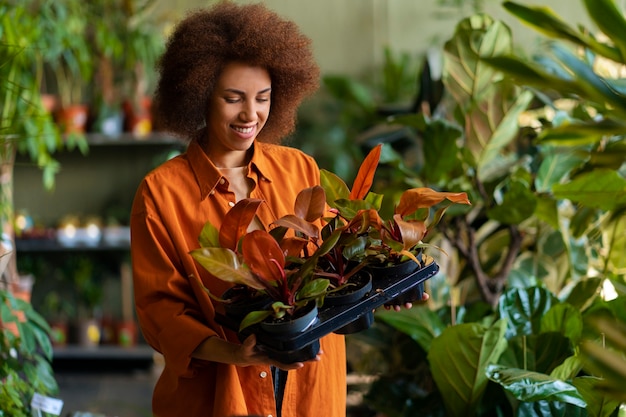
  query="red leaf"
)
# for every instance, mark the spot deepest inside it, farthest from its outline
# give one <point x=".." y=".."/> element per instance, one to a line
<point x="236" y="222"/>
<point x="299" y="225"/>
<point x="417" y="198"/>
<point x="310" y="203"/>
<point x="258" y="249"/>
<point x="365" y="177"/>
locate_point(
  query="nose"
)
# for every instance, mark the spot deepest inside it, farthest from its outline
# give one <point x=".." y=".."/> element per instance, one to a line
<point x="249" y="111"/>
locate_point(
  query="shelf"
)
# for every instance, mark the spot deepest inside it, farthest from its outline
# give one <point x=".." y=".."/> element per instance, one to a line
<point x="128" y="139"/>
<point x="105" y="357"/>
<point x="50" y="245"/>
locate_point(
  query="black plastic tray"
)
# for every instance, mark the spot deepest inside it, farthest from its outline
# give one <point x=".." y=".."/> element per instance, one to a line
<point x="304" y="346"/>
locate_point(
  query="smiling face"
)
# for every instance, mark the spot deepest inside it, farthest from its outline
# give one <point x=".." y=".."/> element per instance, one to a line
<point x="238" y="110"/>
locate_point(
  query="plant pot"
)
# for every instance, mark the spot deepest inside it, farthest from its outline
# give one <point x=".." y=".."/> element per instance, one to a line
<point x="400" y="271"/>
<point x="72" y="119"/>
<point x="59" y="331"/>
<point x="363" y="322"/>
<point x="290" y="325"/>
<point x="242" y="303"/>
<point x="358" y="287"/>
<point x="88" y="332"/>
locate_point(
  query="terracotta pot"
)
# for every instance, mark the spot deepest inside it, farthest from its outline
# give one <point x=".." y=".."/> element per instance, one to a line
<point x="59" y="331"/>
<point x="73" y="119"/>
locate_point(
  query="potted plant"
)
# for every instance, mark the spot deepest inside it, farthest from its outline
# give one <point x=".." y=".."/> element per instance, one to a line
<point x="271" y="264"/>
<point x="127" y="42"/>
<point x="384" y="241"/>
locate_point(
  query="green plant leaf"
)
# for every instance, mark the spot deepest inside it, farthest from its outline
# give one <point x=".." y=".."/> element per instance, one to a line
<point x="556" y="164"/>
<point x="534" y="386"/>
<point x="226" y="265"/>
<point x="568" y="369"/>
<point x="334" y="187"/>
<point x="519" y="204"/>
<point x="523" y="309"/>
<point x="610" y="20"/>
<point x="458" y="360"/>
<point x="543" y="408"/>
<point x="614" y="239"/>
<point x="209" y="236"/>
<point x="601" y="188"/>
<point x="584" y="292"/>
<point x="529" y="352"/>
<point x="565" y="319"/>
<point x="420" y="324"/>
<point x="598" y="403"/>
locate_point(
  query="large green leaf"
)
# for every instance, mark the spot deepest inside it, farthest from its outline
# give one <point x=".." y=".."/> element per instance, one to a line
<point x="465" y="76"/>
<point x="614" y="241"/>
<point x="602" y="188"/>
<point x="518" y="204"/>
<point x="440" y="151"/>
<point x="584" y="292"/>
<point x="549" y="409"/>
<point x="534" y="386"/>
<point x="420" y="324"/>
<point x="529" y="352"/>
<point x="610" y="20"/>
<point x="523" y="309"/>
<point x="458" y="360"/>
<point x="556" y="164"/>
<point x="598" y="404"/>
<point x="546" y="22"/>
<point x="565" y="319"/>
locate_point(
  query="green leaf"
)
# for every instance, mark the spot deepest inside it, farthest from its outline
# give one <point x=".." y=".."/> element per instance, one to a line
<point x="225" y="265"/>
<point x="544" y="408"/>
<point x="602" y="188"/>
<point x="254" y="317"/>
<point x="614" y="240"/>
<point x="518" y="205"/>
<point x="598" y="403"/>
<point x="580" y="133"/>
<point x="568" y="369"/>
<point x="420" y="324"/>
<point x="584" y="292"/>
<point x="610" y="20"/>
<point x="209" y="236"/>
<point x="458" y="360"/>
<point x="334" y="187"/>
<point x="564" y="319"/>
<point x="529" y="352"/>
<point x="556" y="165"/>
<point x="534" y="386"/>
<point x="523" y="309"/>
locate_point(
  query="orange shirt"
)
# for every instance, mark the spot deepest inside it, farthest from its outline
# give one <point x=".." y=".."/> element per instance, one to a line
<point x="171" y="206"/>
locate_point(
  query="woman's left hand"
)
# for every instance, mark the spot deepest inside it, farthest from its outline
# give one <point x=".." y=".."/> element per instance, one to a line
<point x="398" y="307"/>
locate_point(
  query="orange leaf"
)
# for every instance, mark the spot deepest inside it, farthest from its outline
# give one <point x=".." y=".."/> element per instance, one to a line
<point x="258" y="249"/>
<point x="417" y="198"/>
<point x="412" y="231"/>
<point x="236" y="222"/>
<point x="299" y="225"/>
<point x="310" y="203"/>
<point x="365" y="177"/>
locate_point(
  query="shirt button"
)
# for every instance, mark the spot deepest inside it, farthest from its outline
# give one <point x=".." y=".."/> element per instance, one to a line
<point x="263" y="374"/>
<point x="211" y="192"/>
<point x="222" y="181"/>
<point x="269" y="415"/>
<point x="230" y="203"/>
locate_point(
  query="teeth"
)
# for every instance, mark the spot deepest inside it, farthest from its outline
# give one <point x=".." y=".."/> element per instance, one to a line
<point x="243" y="129"/>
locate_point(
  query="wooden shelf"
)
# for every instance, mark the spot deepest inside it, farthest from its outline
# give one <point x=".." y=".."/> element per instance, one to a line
<point x="108" y="358"/>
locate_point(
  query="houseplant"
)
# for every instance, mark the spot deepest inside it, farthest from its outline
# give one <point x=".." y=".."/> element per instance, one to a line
<point x="543" y="245"/>
<point x="257" y="259"/>
<point x="382" y="240"/>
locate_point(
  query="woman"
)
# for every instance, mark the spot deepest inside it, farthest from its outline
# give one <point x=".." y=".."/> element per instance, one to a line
<point x="231" y="80"/>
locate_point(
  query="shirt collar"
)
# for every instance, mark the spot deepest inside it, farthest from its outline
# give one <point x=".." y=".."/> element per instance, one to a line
<point x="208" y="175"/>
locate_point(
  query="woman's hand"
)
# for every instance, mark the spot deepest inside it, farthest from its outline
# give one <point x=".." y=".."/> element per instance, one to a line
<point x="250" y="354"/>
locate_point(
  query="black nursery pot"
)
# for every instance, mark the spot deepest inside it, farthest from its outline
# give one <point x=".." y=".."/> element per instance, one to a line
<point x="242" y="302"/>
<point x="399" y="271"/>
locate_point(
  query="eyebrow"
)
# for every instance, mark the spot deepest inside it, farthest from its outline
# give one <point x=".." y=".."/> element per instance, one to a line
<point x="234" y="90"/>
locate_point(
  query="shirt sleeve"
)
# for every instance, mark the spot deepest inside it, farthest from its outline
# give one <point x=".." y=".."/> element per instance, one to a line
<point x="167" y="310"/>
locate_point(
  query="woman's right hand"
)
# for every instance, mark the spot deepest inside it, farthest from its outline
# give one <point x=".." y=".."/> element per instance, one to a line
<point x="249" y="354"/>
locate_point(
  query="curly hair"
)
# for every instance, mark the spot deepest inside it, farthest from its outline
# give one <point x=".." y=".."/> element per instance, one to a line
<point x="208" y="39"/>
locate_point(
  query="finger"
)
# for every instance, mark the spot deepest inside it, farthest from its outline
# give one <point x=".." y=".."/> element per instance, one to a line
<point x="408" y="305"/>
